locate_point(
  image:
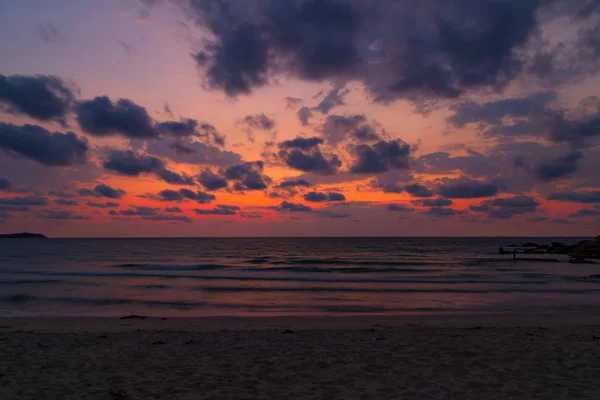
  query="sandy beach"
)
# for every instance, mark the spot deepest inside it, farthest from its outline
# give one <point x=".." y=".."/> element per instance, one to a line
<point x="431" y="357"/>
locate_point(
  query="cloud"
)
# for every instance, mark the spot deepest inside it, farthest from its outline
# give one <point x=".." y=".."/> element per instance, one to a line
<point x="140" y="211"/>
<point x="576" y="197"/>
<point x="131" y="164"/>
<point x="218" y="210"/>
<point x="494" y="112"/>
<point x="190" y="150"/>
<point x="45" y="147"/>
<point x="293" y="102"/>
<point x="418" y="190"/>
<point x="576" y="130"/>
<point x="505" y="208"/>
<point x="585" y="212"/>
<point x="152" y="214"/>
<point x="248" y="176"/>
<point x="439" y="202"/>
<point x="251" y="215"/>
<point x="304" y="115"/>
<point x="66" y="202"/>
<point x="198" y="196"/>
<point x="332" y="214"/>
<point x="24" y="201"/>
<point x="126" y="47"/>
<point x="173" y="210"/>
<point x="61" y="215"/>
<point x="212" y="181"/>
<point x="381" y="157"/>
<point x="467" y="189"/>
<point x="258" y="122"/>
<point x="103" y="117"/>
<point x="49" y="33"/>
<point x="303" y="143"/>
<point x="185" y="127"/>
<point x="103" y="190"/>
<point x="437" y="54"/>
<point x="399" y="208"/>
<point x="292" y="207"/>
<point x="174" y="218"/>
<point x="559" y="168"/>
<point x="338" y="128"/>
<point x="45" y="98"/>
<point x="304" y="154"/>
<point x="5" y="184"/>
<point x="333" y="98"/>
<point x="317" y="197"/>
<point x="293" y="183"/>
<point x="108" y="204"/>
<point x="443" y="212"/>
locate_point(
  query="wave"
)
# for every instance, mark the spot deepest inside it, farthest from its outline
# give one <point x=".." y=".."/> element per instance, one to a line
<point x="324" y="278"/>
<point x="391" y="290"/>
<point x="166" y="267"/>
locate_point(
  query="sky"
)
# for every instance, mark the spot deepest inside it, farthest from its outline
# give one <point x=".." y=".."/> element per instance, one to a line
<point x="185" y="118"/>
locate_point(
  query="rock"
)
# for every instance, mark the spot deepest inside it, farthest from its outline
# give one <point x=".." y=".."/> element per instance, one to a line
<point x="288" y="332"/>
<point x="158" y="342"/>
<point x="530" y="244"/>
<point x="164" y="318"/>
<point x="134" y="317"/>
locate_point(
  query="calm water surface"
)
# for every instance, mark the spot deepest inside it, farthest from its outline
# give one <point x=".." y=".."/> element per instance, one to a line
<point x="284" y="276"/>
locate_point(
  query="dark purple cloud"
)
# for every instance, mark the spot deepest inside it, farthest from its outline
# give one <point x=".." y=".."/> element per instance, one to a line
<point x="381" y="157"/>
<point x="45" y="147"/>
<point x="592" y="196"/>
<point x="418" y="190"/>
<point x="131" y="164"/>
<point x="248" y="176"/>
<point x="494" y="112"/>
<point x="40" y="97"/>
<point x="220" y="209"/>
<point x="399" y="208"/>
<point x="585" y="212"/>
<point x="441" y="54"/>
<point x="212" y="181"/>
<point x="467" y="189"/>
<point x="108" y="204"/>
<point x="505" y="208"/>
<point x="103" y="190"/>
<point x="317" y="197"/>
<point x="338" y="128"/>
<point x="439" y="202"/>
<point x="103" y="117"/>
<point x="24" y="201"/>
<point x="66" y="202"/>
<point x="286" y="206"/>
<point x="558" y="168"/>
<point x="5" y="185"/>
<point x="60" y="215"/>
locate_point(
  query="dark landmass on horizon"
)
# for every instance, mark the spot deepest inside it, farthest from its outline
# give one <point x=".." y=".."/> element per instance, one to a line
<point x="24" y="235"/>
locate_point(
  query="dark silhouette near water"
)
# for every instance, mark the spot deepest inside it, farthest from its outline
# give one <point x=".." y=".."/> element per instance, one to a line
<point x="24" y="235"/>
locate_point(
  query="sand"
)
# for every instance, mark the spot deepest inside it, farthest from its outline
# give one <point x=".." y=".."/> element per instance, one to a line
<point x="419" y="357"/>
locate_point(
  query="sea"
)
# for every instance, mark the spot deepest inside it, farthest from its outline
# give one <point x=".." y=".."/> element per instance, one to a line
<point x="196" y="277"/>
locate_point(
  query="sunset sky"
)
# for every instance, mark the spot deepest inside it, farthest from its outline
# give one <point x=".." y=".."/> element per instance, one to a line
<point x="300" y="117"/>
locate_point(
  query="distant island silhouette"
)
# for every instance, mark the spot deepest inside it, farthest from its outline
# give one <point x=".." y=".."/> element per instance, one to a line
<point x="24" y="235"/>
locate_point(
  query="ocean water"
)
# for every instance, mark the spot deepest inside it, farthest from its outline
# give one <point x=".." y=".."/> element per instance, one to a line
<point x="285" y="276"/>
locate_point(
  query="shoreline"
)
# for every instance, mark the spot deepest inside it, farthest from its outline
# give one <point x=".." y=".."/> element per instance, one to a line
<point x="61" y="324"/>
<point x="377" y="357"/>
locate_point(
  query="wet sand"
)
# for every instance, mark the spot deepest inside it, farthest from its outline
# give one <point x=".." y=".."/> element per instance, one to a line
<point x="430" y="357"/>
